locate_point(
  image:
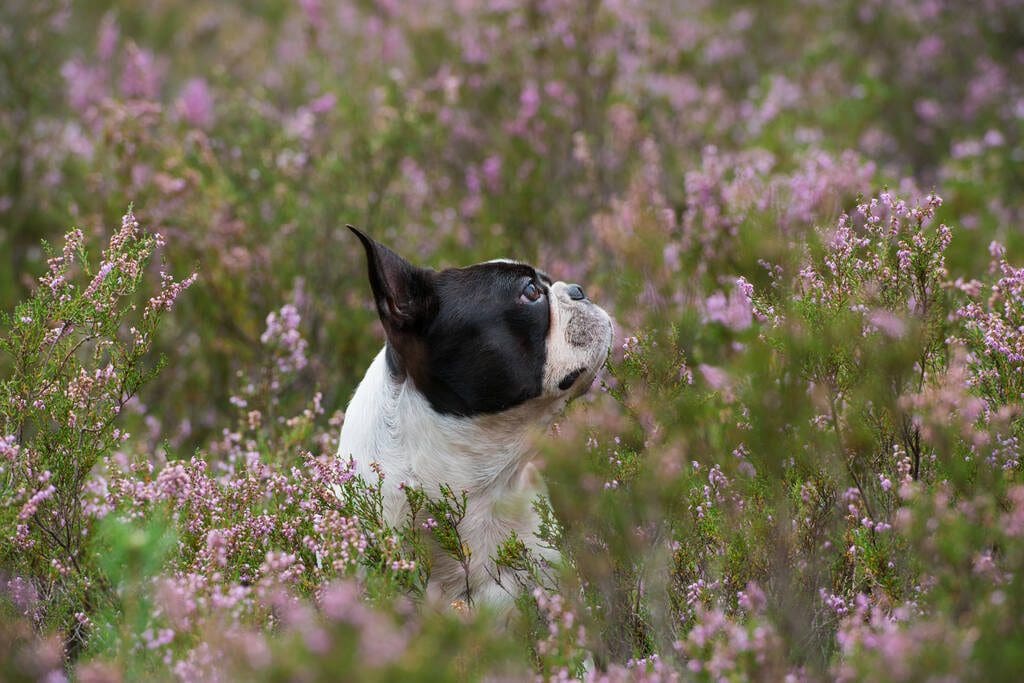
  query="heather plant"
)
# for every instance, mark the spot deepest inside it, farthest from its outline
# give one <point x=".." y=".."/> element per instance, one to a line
<point x="265" y="535"/>
<point x="78" y="351"/>
<point x="802" y="459"/>
<point x="829" y="462"/>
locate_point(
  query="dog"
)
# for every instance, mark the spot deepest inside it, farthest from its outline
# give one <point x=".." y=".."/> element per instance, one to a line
<point x="477" y="361"/>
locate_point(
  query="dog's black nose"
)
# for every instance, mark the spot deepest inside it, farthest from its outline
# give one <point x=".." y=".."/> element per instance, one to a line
<point x="576" y="293"/>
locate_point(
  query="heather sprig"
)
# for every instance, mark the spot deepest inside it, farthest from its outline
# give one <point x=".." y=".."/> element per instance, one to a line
<point x="79" y="350"/>
<point x="995" y="330"/>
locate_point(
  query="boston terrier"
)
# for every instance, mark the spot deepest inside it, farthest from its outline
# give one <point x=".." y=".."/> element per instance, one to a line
<point x="478" y="360"/>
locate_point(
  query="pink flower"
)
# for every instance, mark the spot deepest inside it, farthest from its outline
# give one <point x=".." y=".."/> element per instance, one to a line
<point x="716" y="377"/>
<point x="529" y="102"/>
<point x="282" y="335"/>
<point x="323" y="104"/>
<point x="142" y="75"/>
<point x="195" y="104"/>
<point x="32" y="505"/>
<point x="84" y="85"/>
<point x="492" y="172"/>
<point x="734" y="311"/>
<point x="9" y="448"/>
<point x="888" y="323"/>
<point x="109" y="34"/>
<point x="314" y="12"/>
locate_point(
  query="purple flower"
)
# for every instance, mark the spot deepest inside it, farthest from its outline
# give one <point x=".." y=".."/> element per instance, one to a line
<point x="142" y="75"/>
<point x="109" y="34"/>
<point x="314" y="12"/>
<point x="734" y="311"/>
<point x="9" y="448"/>
<point x="195" y="104"/>
<point x="492" y="172"/>
<point x="888" y="323"/>
<point x="323" y="104"/>
<point x="529" y="102"/>
<point x="84" y="85"/>
<point x="282" y="335"/>
<point x="717" y="378"/>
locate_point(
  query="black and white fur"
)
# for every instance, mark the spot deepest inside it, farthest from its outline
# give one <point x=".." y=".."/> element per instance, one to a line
<point x="477" y="361"/>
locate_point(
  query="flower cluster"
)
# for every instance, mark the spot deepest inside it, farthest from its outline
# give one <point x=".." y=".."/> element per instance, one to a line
<point x="998" y="324"/>
<point x="282" y="335"/>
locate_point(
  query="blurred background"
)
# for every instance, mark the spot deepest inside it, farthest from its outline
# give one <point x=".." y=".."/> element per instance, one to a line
<point x="249" y="133"/>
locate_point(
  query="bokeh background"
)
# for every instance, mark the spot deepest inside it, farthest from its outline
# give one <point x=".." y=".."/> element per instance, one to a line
<point x="652" y="151"/>
<point x="250" y="133"/>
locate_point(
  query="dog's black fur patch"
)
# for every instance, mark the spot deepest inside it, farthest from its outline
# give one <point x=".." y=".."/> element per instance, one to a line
<point x="465" y="336"/>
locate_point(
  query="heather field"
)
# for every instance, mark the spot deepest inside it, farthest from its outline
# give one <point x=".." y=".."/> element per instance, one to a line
<point x="802" y="460"/>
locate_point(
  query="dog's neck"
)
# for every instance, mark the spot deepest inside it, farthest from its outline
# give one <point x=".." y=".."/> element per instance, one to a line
<point x="391" y="423"/>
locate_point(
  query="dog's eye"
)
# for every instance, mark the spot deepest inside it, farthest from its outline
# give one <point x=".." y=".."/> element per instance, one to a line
<point x="531" y="292"/>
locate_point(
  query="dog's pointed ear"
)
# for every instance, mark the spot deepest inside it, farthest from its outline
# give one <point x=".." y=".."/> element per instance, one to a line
<point x="404" y="294"/>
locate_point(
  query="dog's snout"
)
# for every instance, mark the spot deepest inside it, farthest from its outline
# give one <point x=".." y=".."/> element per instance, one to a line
<point x="576" y="293"/>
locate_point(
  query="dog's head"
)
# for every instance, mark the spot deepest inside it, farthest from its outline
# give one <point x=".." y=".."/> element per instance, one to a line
<point x="486" y="338"/>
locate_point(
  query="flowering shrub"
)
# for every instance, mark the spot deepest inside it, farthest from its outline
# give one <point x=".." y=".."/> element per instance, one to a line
<point x="803" y="459"/>
<point x="79" y="356"/>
